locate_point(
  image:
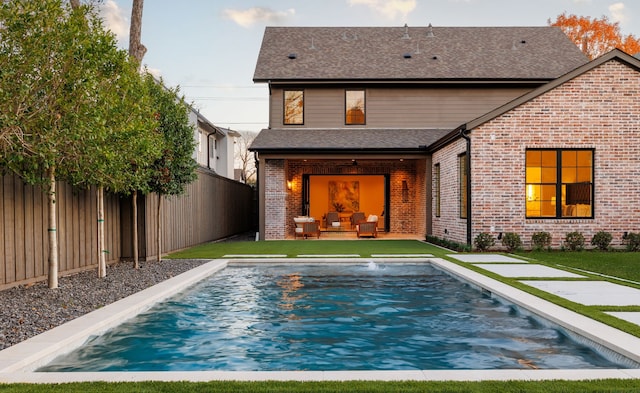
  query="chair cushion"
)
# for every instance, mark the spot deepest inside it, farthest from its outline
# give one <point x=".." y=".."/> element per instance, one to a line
<point x="372" y="218"/>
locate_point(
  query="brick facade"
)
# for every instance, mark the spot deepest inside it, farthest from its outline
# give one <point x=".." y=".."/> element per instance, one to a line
<point x="449" y="225"/>
<point x="600" y="110"/>
<point x="276" y="199"/>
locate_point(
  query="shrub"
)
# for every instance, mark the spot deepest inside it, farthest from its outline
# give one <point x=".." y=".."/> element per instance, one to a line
<point x="450" y="244"/>
<point x="484" y="241"/>
<point x="602" y="240"/>
<point x="633" y="241"/>
<point x="512" y="241"/>
<point x="541" y="240"/>
<point x="574" y="241"/>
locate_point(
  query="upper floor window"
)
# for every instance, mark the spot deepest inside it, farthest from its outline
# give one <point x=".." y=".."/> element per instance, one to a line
<point x="559" y="183"/>
<point x="354" y="107"/>
<point x="293" y="107"/>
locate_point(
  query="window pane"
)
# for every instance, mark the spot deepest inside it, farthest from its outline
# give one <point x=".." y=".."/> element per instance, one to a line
<point x="533" y="209"/>
<point x="584" y="175"/>
<point x="548" y="193"/>
<point x="549" y="158"/>
<point x="548" y="208"/>
<point x="534" y="175"/>
<point x="585" y="158"/>
<point x="354" y="107"/>
<point x="549" y="175"/>
<point x="534" y="158"/>
<point x="569" y="158"/>
<point x="569" y="175"/>
<point x="293" y="107"/>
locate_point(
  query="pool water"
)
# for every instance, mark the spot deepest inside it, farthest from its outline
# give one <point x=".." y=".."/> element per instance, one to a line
<point x="357" y="317"/>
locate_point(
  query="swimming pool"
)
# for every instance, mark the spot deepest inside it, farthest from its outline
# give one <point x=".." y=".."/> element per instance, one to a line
<point x="337" y="317"/>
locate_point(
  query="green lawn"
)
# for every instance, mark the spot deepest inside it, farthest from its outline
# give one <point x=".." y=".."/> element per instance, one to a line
<point x="620" y="264"/>
<point x="609" y="385"/>
<point x="292" y="248"/>
<point x="617" y="264"/>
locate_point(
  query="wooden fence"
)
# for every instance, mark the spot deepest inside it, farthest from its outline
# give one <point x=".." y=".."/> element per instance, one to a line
<point x="212" y="208"/>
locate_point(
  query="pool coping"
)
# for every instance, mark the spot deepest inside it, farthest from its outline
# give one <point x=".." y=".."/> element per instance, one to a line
<point x="18" y="362"/>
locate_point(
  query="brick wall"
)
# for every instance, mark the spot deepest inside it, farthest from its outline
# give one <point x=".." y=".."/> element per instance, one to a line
<point x="449" y="225"/>
<point x="275" y="199"/>
<point x="599" y="109"/>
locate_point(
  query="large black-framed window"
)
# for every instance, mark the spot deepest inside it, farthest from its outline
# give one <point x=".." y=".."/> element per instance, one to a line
<point x="354" y="108"/>
<point x="462" y="181"/>
<point x="436" y="188"/>
<point x="293" y="107"/>
<point x="559" y="183"/>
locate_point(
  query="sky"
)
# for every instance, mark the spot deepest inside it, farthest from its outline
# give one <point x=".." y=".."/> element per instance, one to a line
<point x="209" y="48"/>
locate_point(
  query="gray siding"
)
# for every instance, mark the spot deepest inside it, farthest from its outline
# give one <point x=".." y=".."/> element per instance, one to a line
<point x="398" y="107"/>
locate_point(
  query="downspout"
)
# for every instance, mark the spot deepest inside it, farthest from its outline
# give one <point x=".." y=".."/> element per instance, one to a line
<point x="257" y="196"/>
<point x="464" y="134"/>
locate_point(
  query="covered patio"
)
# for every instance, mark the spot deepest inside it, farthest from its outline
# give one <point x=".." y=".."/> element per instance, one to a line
<point x="312" y="173"/>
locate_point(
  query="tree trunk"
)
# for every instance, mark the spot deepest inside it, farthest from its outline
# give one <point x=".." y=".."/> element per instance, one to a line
<point x="75" y="3"/>
<point x="136" y="264"/>
<point x="102" y="263"/>
<point x="53" y="236"/>
<point x="136" y="49"/>
<point x="159" y="227"/>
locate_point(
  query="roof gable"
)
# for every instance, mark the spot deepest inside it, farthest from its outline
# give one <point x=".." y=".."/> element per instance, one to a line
<point x="614" y="55"/>
<point x="415" y="53"/>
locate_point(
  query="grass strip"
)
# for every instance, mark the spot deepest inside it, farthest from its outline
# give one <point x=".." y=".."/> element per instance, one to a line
<point x="591" y="386"/>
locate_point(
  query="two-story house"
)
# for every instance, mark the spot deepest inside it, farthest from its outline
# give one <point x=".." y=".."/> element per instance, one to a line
<point x="449" y="131"/>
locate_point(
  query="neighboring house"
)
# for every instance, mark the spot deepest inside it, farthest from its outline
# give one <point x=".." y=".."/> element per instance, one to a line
<point x="449" y="131"/>
<point x="214" y="145"/>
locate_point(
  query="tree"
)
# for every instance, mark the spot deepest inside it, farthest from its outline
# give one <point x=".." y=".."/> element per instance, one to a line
<point x="136" y="49"/>
<point x="137" y="52"/>
<point x="52" y="62"/>
<point x="245" y="158"/>
<point x="176" y="167"/>
<point x="595" y="37"/>
<point x="73" y="104"/>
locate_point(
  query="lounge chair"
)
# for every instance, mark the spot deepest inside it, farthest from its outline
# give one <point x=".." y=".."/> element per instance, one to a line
<point x="357" y="218"/>
<point x="306" y="226"/>
<point x="368" y="228"/>
<point x="331" y="218"/>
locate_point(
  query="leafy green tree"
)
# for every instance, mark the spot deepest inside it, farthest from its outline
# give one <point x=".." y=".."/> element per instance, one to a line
<point x="43" y="95"/>
<point x="177" y="167"/>
<point x="70" y="103"/>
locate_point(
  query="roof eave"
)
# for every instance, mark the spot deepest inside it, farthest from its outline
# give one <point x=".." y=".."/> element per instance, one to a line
<point x="478" y="81"/>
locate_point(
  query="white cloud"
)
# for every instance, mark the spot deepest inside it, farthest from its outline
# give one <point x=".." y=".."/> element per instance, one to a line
<point x="115" y="19"/>
<point x="388" y="8"/>
<point x="618" y="13"/>
<point x="250" y="16"/>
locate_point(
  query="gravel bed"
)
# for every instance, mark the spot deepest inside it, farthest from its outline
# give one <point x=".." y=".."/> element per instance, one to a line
<point x="30" y="310"/>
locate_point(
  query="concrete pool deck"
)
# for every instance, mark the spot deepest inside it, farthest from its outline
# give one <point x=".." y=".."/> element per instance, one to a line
<point x="17" y="363"/>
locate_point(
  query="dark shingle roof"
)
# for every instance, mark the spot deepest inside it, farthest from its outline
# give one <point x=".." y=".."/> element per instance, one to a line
<point x="377" y="53"/>
<point x="353" y="139"/>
